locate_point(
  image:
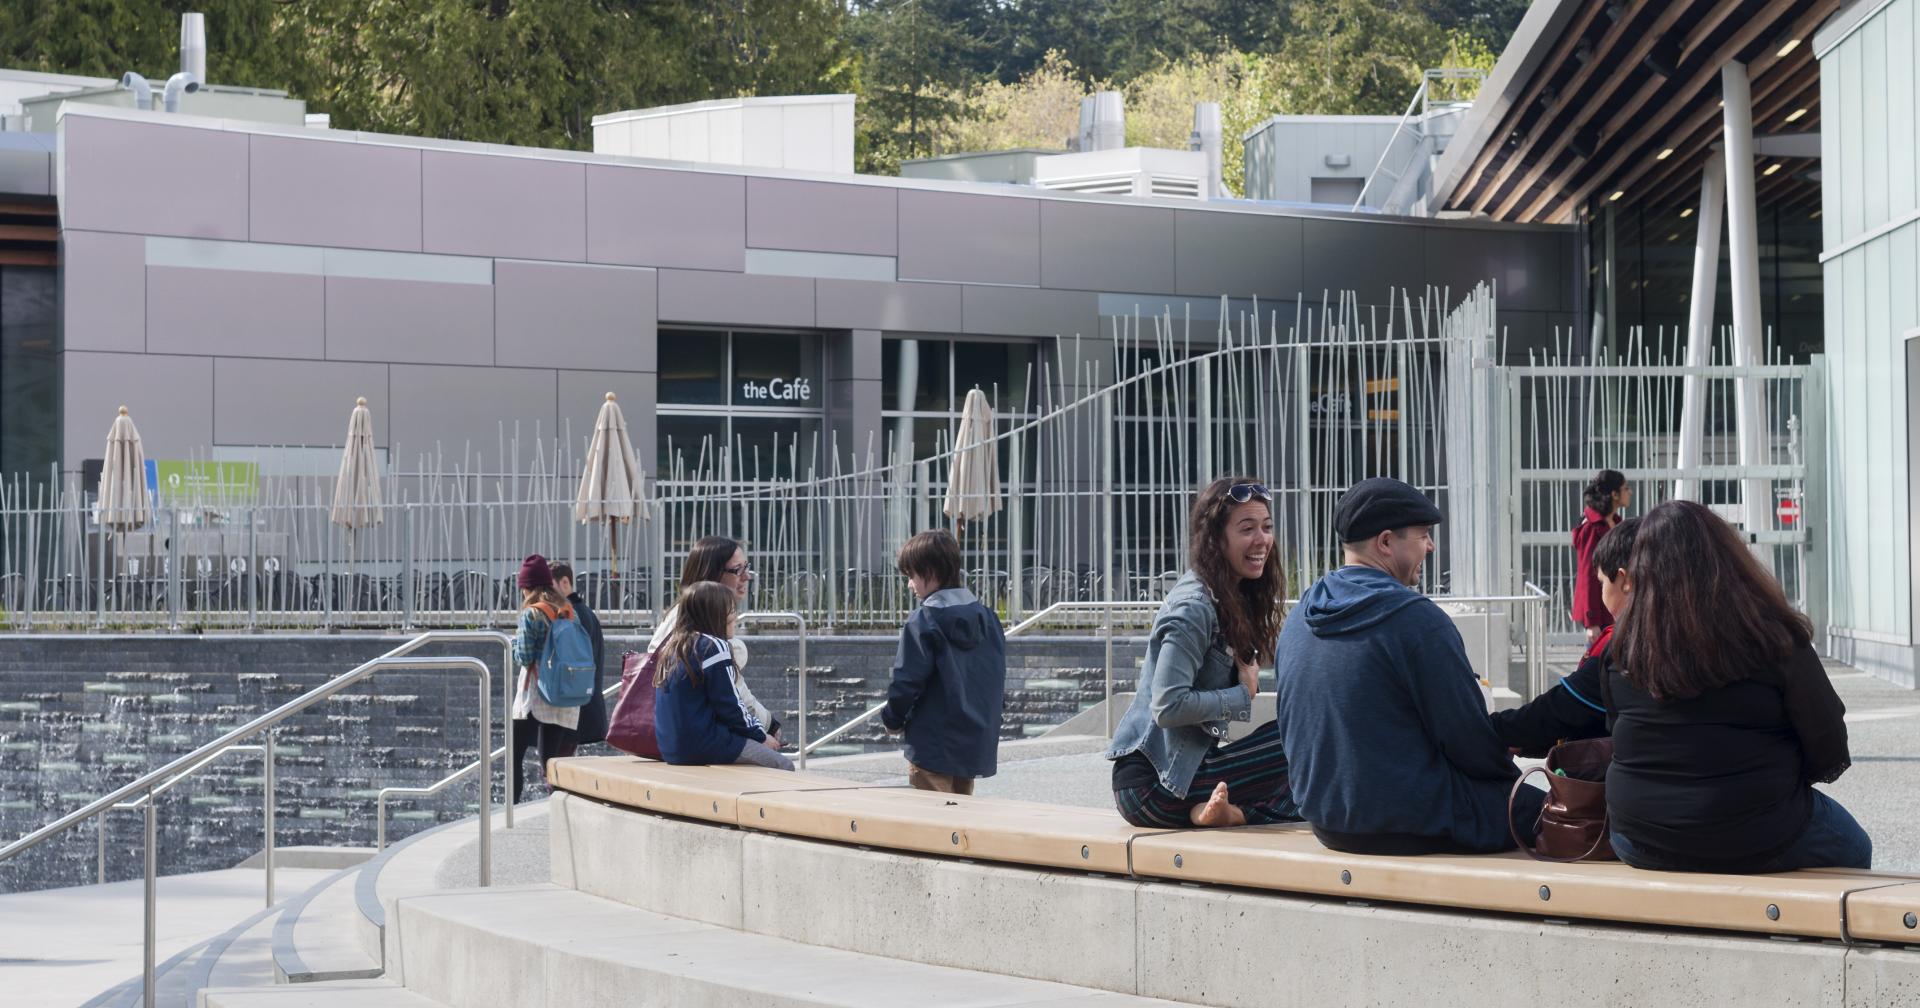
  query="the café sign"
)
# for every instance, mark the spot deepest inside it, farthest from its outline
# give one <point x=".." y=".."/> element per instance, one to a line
<point x="796" y="390"/>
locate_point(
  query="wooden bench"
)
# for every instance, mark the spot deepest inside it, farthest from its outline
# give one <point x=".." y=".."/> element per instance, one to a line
<point x="1826" y="904"/>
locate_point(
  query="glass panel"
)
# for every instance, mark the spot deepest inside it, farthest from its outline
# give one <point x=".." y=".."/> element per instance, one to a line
<point x="29" y="370"/>
<point x="693" y="364"/>
<point x="998" y="369"/>
<point x="913" y="374"/>
<point x="694" y="438"/>
<point x="777" y="369"/>
<point x="769" y="447"/>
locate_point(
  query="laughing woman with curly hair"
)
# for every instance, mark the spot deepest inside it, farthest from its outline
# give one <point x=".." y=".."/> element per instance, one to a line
<point x="1215" y="630"/>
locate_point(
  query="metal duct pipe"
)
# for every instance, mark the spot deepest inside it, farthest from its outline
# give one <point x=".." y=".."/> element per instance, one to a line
<point x="193" y="45"/>
<point x="182" y="83"/>
<point x="1206" y="139"/>
<point x="1103" y="121"/>
<point x="142" y="91"/>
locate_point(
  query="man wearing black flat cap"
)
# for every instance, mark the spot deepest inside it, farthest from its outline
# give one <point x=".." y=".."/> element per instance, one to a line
<point x="1389" y="746"/>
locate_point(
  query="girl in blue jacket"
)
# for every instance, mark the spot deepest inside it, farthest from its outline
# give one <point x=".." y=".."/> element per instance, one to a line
<point x="699" y="717"/>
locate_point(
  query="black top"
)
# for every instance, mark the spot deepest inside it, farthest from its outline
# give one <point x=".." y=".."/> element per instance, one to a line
<point x="1722" y="781"/>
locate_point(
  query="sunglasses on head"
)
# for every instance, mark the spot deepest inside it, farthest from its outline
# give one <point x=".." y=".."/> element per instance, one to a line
<point x="1244" y="492"/>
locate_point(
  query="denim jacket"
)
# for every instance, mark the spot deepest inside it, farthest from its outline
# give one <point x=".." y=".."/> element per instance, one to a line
<point x="1189" y="689"/>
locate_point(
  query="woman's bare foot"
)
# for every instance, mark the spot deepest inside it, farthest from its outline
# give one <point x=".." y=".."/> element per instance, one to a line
<point x="1218" y="811"/>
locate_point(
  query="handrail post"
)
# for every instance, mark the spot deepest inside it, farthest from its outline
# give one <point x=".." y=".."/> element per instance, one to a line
<point x="511" y="761"/>
<point x="151" y="930"/>
<point x="486" y="774"/>
<point x="380" y="822"/>
<point x="266" y="806"/>
<point x="100" y="836"/>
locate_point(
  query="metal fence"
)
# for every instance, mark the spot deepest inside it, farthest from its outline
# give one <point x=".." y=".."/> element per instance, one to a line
<point x="1098" y="465"/>
<point x="1098" y="453"/>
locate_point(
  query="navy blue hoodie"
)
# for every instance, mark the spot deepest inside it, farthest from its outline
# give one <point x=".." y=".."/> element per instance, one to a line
<point x="949" y="680"/>
<point x="1384" y="725"/>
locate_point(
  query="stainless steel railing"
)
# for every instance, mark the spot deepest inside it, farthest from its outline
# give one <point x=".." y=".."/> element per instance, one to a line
<point x="148" y="786"/>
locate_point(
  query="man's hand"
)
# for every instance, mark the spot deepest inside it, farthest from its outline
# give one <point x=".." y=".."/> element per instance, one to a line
<point x="1250" y="678"/>
<point x="773" y="739"/>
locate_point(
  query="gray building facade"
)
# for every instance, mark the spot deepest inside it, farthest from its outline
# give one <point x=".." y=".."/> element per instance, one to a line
<point x="257" y="279"/>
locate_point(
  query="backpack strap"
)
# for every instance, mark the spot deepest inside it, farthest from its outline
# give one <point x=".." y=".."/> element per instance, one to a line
<point x="551" y="613"/>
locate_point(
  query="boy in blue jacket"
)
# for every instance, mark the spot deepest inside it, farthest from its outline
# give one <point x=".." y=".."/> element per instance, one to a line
<point x="949" y="674"/>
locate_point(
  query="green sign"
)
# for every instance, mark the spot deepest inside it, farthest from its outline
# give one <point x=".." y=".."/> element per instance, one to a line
<point x="211" y="483"/>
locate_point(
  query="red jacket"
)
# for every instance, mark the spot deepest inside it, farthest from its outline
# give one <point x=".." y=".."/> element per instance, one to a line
<point x="1588" y="610"/>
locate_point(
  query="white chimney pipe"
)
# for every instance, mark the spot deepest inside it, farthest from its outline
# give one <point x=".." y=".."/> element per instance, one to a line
<point x="1206" y="139"/>
<point x="193" y="45"/>
<point x="1103" y="121"/>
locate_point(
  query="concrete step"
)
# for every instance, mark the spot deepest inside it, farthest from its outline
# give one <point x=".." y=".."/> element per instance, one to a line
<point x="311" y="856"/>
<point x="441" y="858"/>
<point x="331" y="994"/>
<point x="318" y="937"/>
<point x="531" y="946"/>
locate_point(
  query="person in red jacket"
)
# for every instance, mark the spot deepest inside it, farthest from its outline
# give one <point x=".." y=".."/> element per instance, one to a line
<point x="1607" y="497"/>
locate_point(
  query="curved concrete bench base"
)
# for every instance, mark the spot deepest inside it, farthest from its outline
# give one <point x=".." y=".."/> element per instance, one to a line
<point x="1145" y="937"/>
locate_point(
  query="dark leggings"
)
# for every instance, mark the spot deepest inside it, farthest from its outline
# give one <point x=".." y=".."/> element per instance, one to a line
<point x="1255" y="772"/>
<point x="551" y="741"/>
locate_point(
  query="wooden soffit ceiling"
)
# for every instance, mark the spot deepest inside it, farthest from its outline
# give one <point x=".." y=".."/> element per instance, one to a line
<point x="1628" y="101"/>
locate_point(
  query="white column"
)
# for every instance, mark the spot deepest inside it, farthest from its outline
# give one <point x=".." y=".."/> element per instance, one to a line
<point x="1743" y="243"/>
<point x="1706" y="284"/>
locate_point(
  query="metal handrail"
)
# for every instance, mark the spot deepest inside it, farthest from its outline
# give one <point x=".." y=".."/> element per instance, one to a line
<point x="158" y="781"/>
<point x="1070" y="607"/>
<point x="380" y="801"/>
<point x="141" y="802"/>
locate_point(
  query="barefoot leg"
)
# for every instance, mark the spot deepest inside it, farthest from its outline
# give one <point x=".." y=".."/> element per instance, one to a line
<point x="1217" y="811"/>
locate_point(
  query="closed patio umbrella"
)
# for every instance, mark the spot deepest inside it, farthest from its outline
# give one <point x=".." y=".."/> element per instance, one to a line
<point x="124" y="506"/>
<point x="973" y="483"/>
<point x="123" y="503"/>
<point x="356" y="493"/>
<point x="611" y="484"/>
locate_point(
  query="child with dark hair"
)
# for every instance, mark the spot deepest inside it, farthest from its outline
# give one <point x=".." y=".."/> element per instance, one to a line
<point x="698" y="714"/>
<point x="949" y="674"/>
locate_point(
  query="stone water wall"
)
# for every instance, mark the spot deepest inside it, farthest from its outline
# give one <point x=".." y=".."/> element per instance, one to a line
<point x="80" y="714"/>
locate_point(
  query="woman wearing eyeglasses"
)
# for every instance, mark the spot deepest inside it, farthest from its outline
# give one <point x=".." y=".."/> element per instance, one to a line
<point x="724" y="561"/>
<point x="1215" y="630"/>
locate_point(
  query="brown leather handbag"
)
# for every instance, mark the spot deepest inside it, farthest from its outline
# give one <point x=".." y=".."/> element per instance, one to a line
<point x="1573" y="819"/>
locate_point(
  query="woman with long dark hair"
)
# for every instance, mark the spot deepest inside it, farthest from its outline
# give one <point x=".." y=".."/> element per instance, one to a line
<point x="1217" y="627"/>
<point x="1723" y="718"/>
<point x="1606" y="498"/>
<point x="722" y="561"/>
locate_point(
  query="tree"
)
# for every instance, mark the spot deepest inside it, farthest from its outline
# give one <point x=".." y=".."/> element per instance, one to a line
<point x="916" y="59"/>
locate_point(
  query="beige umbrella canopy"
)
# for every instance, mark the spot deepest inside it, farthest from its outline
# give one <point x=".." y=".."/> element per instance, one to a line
<point x="973" y="484"/>
<point x="356" y="494"/>
<point x="610" y="486"/>
<point x="123" y="479"/>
